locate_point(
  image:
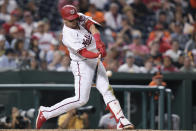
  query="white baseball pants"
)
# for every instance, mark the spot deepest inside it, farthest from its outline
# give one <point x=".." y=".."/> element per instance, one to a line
<point x="83" y="72"/>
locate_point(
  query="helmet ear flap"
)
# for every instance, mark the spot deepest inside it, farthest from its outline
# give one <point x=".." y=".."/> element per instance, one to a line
<point x="69" y="12"/>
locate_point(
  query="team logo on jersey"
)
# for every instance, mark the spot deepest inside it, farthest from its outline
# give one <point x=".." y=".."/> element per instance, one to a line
<point x="72" y="12"/>
<point x="87" y="40"/>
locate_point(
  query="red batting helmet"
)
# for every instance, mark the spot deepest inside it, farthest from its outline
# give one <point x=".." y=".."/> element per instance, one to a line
<point x="69" y="12"/>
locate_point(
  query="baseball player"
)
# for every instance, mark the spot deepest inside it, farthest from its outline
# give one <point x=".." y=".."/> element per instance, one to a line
<point x="84" y="44"/>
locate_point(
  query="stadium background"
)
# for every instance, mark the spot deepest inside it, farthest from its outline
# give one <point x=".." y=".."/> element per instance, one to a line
<point x="28" y="57"/>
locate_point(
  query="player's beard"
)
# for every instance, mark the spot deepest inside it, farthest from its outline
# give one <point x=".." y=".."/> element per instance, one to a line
<point x="75" y="25"/>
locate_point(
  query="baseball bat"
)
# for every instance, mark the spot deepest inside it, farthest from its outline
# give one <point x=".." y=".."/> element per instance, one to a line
<point x="95" y="75"/>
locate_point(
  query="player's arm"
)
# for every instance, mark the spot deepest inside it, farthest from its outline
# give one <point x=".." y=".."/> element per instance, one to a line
<point x="89" y="25"/>
<point x="88" y="54"/>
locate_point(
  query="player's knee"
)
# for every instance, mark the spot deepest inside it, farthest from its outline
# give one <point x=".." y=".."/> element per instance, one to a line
<point x="83" y="101"/>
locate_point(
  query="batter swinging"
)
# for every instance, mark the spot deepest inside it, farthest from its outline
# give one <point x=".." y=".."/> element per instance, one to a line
<point x="84" y="44"/>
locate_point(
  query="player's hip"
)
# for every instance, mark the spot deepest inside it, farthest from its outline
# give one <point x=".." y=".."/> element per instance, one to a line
<point x="85" y="66"/>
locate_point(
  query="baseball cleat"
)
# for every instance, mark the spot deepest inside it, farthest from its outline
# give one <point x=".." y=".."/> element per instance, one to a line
<point x="40" y="120"/>
<point x="124" y="124"/>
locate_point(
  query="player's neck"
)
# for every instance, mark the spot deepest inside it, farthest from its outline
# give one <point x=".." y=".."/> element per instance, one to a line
<point x="77" y="27"/>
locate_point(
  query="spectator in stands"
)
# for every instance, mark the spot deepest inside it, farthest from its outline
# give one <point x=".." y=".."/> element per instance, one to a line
<point x="139" y="50"/>
<point x="160" y="37"/>
<point x="174" y="52"/>
<point x="71" y="120"/>
<point x="4" y="15"/>
<point x="34" y="47"/>
<point x="126" y="30"/>
<point x="44" y="38"/>
<point x="148" y="67"/>
<point x="7" y="61"/>
<point x="113" y="18"/>
<point x="20" y="35"/>
<point x="119" y="44"/>
<point x="179" y="35"/>
<point x="2" y="45"/>
<point x="167" y="8"/>
<point x="157" y="80"/>
<point x="129" y="66"/>
<point x="178" y="18"/>
<point x="162" y="19"/>
<point x="33" y="8"/>
<point x="167" y="65"/>
<point x="19" y="47"/>
<point x="188" y="65"/>
<point x="29" y="25"/>
<point x="12" y="22"/>
<point x="191" y="44"/>
<point x="13" y="36"/>
<point x="99" y="4"/>
<point x="128" y="12"/>
<point x="95" y="14"/>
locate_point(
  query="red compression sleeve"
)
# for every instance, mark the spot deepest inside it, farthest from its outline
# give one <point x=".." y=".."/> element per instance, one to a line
<point x="97" y="37"/>
<point x="88" y="24"/>
<point x="88" y="54"/>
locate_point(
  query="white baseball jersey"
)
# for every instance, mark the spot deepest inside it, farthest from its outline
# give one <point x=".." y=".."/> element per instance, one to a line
<point x="77" y="39"/>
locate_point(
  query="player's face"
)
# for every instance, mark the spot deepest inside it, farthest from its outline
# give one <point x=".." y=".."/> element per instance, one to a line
<point x="72" y="23"/>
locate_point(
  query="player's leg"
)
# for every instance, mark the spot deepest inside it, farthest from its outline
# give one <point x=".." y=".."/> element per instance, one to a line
<point x="83" y="76"/>
<point x="110" y="100"/>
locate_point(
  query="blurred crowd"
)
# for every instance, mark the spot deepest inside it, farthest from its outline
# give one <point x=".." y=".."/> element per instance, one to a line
<point x="141" y="36"/>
